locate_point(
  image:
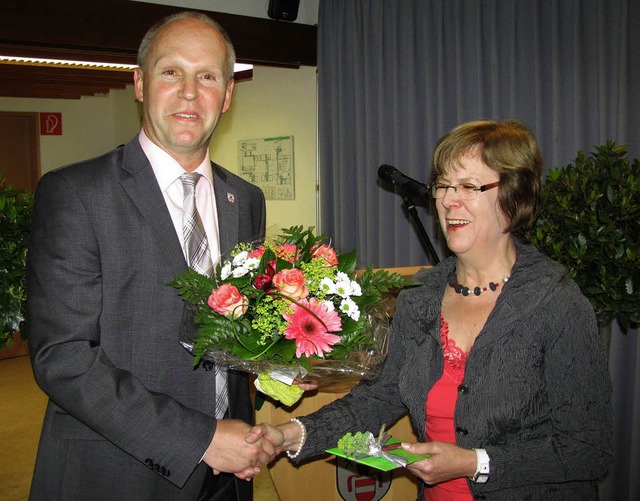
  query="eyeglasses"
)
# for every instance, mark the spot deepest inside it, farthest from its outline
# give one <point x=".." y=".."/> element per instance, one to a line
<point x="464" y="191"/>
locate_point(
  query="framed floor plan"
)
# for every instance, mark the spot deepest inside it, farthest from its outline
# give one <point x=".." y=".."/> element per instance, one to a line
<point x="268" y="163"/>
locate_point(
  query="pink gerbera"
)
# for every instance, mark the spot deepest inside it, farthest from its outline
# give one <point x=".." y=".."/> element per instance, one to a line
<point x="310" y="325"/>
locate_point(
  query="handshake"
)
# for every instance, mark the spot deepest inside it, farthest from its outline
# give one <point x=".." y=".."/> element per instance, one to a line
<point x="243" y="450"/>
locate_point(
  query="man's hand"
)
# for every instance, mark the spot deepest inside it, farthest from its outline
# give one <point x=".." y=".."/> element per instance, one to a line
<point x="230" y="452"/>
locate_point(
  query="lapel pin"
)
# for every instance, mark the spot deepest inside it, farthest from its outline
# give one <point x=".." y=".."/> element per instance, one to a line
<point x="231" y="197"/>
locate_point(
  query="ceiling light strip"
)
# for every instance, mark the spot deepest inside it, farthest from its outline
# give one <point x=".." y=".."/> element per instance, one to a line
<point x="86" y="64"/>
<point x="64" y="63"/>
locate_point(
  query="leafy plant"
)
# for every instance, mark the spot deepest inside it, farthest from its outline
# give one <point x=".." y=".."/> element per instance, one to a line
<point x="15" y="220"/>
<point x="590" y="223"/>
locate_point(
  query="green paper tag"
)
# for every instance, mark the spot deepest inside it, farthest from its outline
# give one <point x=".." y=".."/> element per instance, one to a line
<point x="287" y="394"/>
<point x="382" y="463"/>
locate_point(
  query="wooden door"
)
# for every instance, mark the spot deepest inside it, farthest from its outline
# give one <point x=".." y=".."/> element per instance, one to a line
<point x="20" y="149"/>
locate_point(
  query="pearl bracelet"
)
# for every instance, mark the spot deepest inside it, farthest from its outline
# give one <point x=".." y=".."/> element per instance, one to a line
<point x="303" y="438"/>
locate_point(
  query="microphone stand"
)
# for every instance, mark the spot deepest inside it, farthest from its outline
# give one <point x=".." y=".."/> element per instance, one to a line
<point x="424" y="237"/>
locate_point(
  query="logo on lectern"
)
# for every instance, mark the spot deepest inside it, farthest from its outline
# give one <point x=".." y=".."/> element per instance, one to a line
<point x="356" y="482"/>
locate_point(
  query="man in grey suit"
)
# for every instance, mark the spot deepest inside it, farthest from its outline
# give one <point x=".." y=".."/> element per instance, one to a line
<point x="129" y="418"/>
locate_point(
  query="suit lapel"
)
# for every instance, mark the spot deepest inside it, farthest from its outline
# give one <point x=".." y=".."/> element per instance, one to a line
<point x="227" y="207"/>
<point x="143" y="190"/>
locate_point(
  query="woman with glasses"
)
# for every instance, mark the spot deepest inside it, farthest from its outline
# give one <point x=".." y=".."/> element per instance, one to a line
<point x="495" y="355"/>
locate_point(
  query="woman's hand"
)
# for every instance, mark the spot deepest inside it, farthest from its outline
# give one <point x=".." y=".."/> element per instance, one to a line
<point x="447" y="461"/>
<point x="306" y="385"/>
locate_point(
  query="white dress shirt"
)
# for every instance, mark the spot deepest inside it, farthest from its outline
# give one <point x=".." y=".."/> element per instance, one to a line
<point x="168" y="171"/>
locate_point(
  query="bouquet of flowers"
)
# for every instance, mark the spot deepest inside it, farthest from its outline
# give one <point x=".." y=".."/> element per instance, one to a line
<point x="290" y="308"/>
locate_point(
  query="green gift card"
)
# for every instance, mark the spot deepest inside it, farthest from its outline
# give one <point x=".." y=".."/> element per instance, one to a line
<point x="392" y="447"/>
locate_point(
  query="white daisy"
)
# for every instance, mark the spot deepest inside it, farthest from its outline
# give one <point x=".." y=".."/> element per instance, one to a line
<point x="343" y="288"/>
<point x="225" y="271"/>
<point x="252" y="263"/>
<point x="240" y="258"/>
<point x="355" y="289"/>
<point x="342" y="277"/>
<point x="350" y="308"/>
<point x="327" y="286"/>
<point x="328" y="305"/>
<point x="240" y="271"/>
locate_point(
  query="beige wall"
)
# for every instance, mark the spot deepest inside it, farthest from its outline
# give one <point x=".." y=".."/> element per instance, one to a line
<point x="276" y="102"/>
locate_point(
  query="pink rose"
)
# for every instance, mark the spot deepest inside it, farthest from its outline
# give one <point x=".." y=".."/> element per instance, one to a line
<point x="291" y="283"/>
<point x="227" y="301"/>
<point x="257" y="253"/>
<point x="327" y="254"/>
<point x="287" y="252"/>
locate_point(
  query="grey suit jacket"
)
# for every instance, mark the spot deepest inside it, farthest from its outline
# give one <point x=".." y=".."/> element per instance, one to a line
<point x="128" y="415"/>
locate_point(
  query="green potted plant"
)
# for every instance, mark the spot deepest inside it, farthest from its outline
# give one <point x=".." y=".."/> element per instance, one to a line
<point x="590" y="223"/>
<point x="15" y="220"/>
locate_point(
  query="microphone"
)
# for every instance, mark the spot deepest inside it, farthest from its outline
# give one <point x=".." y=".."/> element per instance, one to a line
<point x="405" y="184"/>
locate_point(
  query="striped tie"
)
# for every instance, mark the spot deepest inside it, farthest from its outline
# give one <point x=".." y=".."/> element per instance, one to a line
<point x="199" y="258"/>
<point x="195" y="238"/>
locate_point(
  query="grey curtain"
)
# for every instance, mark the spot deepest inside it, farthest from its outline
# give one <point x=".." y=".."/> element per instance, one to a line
<point x="394" y="76"/>
<point x="623" y="482"/>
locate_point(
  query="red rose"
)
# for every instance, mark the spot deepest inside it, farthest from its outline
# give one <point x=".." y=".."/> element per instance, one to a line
<point x="262" y="282"/>
<point x="291" y="283"/>
<point x="270" y="267"/>
<point x="327" y="254"/>
<point x="227" y="301"/>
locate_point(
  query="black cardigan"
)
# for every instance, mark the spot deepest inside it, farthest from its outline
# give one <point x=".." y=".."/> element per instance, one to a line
<point x="536" y="393"/>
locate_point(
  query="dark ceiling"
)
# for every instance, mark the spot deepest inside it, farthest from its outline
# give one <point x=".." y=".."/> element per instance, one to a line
<point x="110" y="31"/>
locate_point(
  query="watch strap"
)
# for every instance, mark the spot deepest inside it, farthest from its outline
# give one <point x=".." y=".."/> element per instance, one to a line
<point x="482" y="469"/>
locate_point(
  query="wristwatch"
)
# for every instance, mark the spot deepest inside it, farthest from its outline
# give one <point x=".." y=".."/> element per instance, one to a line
<point x="482" y="469"/>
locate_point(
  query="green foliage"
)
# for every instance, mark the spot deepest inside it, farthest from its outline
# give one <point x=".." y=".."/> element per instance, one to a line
<point x="381" y="282"/>
<point x="192" y="286"/>
<point x="590" y="223"/>
<point x="15" y="221"/>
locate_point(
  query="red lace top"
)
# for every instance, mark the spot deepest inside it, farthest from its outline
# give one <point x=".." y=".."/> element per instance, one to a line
<point x="441" y="404"/>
